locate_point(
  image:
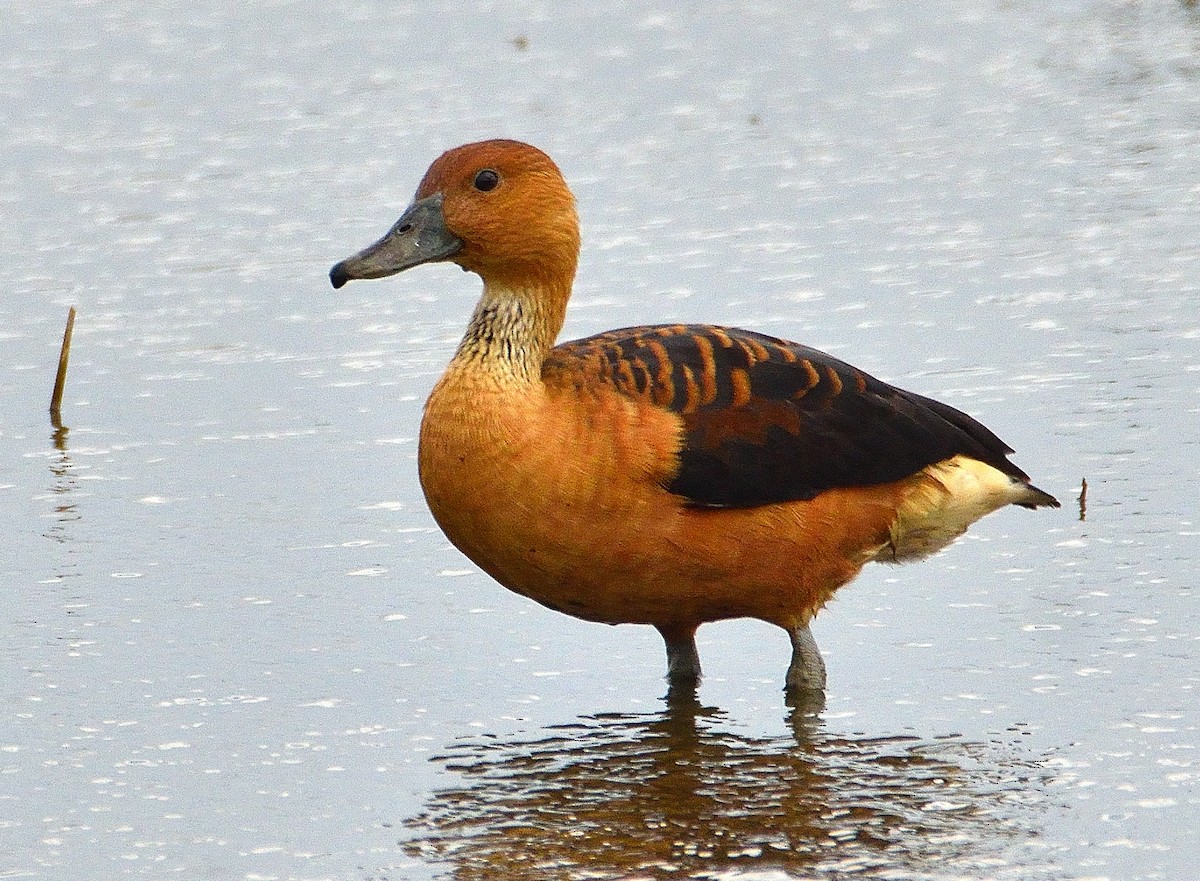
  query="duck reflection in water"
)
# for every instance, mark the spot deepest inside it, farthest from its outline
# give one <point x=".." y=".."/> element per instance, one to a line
<point x="680" y="794"/>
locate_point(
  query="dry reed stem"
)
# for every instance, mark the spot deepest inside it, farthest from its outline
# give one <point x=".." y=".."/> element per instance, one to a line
<point x="60" y="379"/>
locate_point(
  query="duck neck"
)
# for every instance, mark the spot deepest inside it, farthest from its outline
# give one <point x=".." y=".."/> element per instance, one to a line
<point x="511" y="332"/>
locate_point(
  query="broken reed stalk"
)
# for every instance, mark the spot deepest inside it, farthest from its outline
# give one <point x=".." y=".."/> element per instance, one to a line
<point x="1083" y="500"/>
<point x="60" y="379"/>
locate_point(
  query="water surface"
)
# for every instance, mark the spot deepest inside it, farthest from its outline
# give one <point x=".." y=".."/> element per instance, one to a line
<point x="235" y="644"/>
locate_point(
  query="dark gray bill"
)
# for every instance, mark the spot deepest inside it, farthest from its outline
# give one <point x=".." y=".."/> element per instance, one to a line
<point x="419" y="236"/>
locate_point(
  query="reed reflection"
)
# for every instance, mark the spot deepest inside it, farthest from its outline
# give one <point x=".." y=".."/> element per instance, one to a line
<point x="65" y="483"/>
<point x="677" y="794"/>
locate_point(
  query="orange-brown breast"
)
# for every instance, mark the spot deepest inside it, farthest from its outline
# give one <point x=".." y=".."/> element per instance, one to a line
<point x="559" y="491"/>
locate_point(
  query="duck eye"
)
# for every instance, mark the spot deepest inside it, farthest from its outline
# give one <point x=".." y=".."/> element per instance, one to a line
<point x="487" y="180"/>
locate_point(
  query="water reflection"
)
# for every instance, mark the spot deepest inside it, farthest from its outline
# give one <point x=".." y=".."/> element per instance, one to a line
<point x="61" y="466"/>
<point x="676" y="793"/>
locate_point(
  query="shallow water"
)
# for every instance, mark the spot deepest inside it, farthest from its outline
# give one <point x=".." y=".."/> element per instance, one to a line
<point x="234" y="643"/>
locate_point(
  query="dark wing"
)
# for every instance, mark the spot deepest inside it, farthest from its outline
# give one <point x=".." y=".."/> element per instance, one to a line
<point x="766" y="420"/>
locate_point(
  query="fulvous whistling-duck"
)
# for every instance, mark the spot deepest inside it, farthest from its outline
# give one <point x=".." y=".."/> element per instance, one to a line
<point x="666" y="475"/>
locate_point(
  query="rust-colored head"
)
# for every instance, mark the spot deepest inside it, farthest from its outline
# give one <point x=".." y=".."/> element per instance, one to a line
<point x="509" y="204"/>
<point x="498" y="208"/>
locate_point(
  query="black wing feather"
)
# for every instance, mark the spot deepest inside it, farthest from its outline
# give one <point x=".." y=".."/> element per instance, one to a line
<point x="767" y="420"/>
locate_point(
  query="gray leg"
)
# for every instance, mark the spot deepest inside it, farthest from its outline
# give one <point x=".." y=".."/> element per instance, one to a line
<point x="683" y="661"/>
<point x="807" y="670"/>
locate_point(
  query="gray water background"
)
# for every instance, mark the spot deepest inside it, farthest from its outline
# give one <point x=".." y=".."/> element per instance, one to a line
<point x="234" y="644"/>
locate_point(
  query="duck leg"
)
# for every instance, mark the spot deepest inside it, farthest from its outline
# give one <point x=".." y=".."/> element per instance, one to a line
<point x="683" y="661"/>
<point x="807" y="670"/>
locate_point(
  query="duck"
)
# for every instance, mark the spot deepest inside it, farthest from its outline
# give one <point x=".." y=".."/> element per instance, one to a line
<point x="666" y="475"/>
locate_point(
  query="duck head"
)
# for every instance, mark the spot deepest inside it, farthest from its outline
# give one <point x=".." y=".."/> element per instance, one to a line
<point x="497" y="208"/>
